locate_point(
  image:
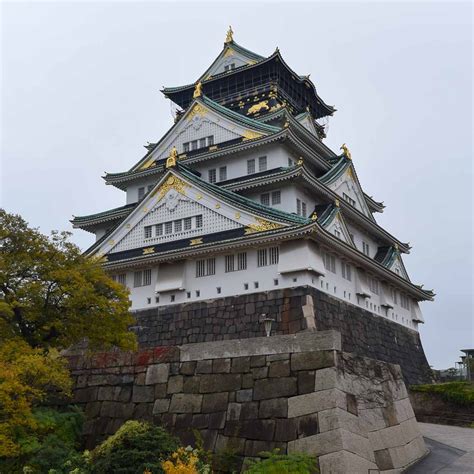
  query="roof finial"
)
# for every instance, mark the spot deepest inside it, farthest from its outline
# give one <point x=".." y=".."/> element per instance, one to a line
<point x="230" y="35"/>
<point x="277" y="50"/>
<point x="337" y="203"/>
<point x="197" y="90"/>
<point x="171" y="161"/>
<point x="346" y="151"/>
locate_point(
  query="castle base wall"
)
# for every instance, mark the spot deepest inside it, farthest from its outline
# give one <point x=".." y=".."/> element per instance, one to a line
<point x="294" y="310"/>
<point x="298" y="393"/>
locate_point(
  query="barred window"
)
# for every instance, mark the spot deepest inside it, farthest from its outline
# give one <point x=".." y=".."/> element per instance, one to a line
<point x="229" y="263"/>
<point x="250" y="166"/>
<point x="276" y="197"/>
<point x="194" y="145"/>
<point x="147" y="277"/>
<point x="222" y="173"/>
<point x="346" y="271"/>
<point x="212" y="175"/>
<point x="137" y="279"/>
<point x="298" y="206"/>
<point x="178" y="225"/>
<point x="348" y="199"/>
<point x="274" y="255"/>
<point x="303" y="208"/>
<point x="147" y="231"/>
<point x="366" y="249"/>
<point x="188" y="222"/>
<point x="198" y="221"/>
<point x="186" y="147"/>
<point x="242" y="261"/>
<point x="337" y="233"/>
<point x="141" y="193"/>
<point x="262" y="163"/>
<point x="158" y="229"/>
<point x="205" y="267"/>
<point x="404" y="301"/>
<point x="330" y="262"/>
<point x="262" y="260"/>
<point x="374" y="285"/>
<point x="265" y="199"/>
<point x="122" y="278"/>
<point x="169" y="227"/>
<point x="210" y="140"/>
<point x="202" y="143"/>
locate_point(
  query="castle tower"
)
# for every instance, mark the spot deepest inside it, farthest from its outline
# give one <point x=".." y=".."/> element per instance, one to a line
<point x="242" y="197"/>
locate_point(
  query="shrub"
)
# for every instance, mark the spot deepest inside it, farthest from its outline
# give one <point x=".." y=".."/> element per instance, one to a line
<point x="274" y="463"/>
<point x="461" y="393"/>
<point x="185" y="461"/>
<point x="134" y="448"/>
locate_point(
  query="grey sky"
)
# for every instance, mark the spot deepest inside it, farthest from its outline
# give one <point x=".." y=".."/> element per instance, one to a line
<point x="80" y="95"/>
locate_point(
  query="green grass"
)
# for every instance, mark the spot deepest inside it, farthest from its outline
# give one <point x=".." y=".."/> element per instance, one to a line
<point x="461" y="393"/>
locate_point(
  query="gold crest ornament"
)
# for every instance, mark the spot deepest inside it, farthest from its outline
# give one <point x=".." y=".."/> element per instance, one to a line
<point x="230" y="35"/>
<point x="171" y="161"/>
<point x="346" y="151"/>
<point x="197" y="90"/>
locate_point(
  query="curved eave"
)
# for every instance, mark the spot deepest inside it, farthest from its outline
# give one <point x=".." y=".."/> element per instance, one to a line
<point x="276" y="56"/>
<point x="374" y="205"/>
<point x="83" y="222"/>
<point x="348" y="210"/>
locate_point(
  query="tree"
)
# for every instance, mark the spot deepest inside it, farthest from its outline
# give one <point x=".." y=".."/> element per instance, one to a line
<point x="51" y="295"/>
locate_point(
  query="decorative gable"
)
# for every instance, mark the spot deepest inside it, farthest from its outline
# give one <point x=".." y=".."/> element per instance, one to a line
<point x="177" y="209"/>
<point x="306" y="121"/>
<point x="349" y="189"/>
<point x="337" y="227"/>
<point x="228" y="60"/>
<point x="398" y="267"/>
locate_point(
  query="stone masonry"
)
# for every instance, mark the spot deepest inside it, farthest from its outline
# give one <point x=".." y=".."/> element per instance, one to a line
<point x="294" y="310"/>
<point x="296" y="392"/>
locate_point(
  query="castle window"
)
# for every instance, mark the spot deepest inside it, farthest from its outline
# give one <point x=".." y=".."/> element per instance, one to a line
<point x="366" y="249"/>
<point x="172" y="298"/>
<point x="229" y="67"/>
<point x="274" y="255"/>
<point x="178" y="225"/>
<point x="330" y="262"/>
<point x="194" y="145"/>
<point x="212" y="175"/>
<point x="157" y="299"/>
<point x="404" y="301"/>
<point x="137" y="279"/>
<point x="255" y="284"/>
<point x="210" y="140"/>
<point x="246" y="286"/>
<point x="202" y="143"/>
<point x="337" y="233"/>
<point x="198" y="293"/>
<point x="188" y="222"/>
<point x="374" y="285"/>
<point x="346" y="271"/>
<point x="122" y="278"/>
<point x="262" y="163"/>
<point x="276" y="197"/>
<point x="169" y="227"/>
<point x="186" y="147"/>
<point x="242" y="261"/>
<point x="158" y="229"/>
<point x="141" y="193"/>
<point x="199" y="221"/>
<point x="262" y="260"/>
<point x="265" y="199"/>
<point x="250" y="166"/>
<point x="205" y="267"/>
<point x="229" y="263"/>
<point x="147" y="277"/>
<point x="219" y="290"/>
<point x="147" y="231"/>
<point x="148" y="300"/>
<point x="300" y="208"/>
<point x="188" y="294"/>
<point x="348" y="199"/>
<point x="222" y="173"/>
<point x="275" y="281"/>
<point x="303" y="208"/>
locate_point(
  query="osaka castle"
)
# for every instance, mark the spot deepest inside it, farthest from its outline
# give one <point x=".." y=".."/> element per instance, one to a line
<point x="241" y="195"/>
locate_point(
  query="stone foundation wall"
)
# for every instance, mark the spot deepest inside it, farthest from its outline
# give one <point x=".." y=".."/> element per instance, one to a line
<point x="299" y="393"/>
<point x="294" y="310"/>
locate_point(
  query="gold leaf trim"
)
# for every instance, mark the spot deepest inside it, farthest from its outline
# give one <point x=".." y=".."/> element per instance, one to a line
<point x="197" y="109"/>
<point x="173" y="182"/>
<point x="250" y="135"/>
<point x="261" y="226"/>
<point x="195" y="241"/>
<point x="148" y="250"/>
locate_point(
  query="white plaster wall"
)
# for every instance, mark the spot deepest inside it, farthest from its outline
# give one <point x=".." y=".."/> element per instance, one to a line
<point x="361" y="236"/>
<point x="232" y="283"/>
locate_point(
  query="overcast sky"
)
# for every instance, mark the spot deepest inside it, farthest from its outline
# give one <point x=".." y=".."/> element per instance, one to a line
<point x="80" y="96"/>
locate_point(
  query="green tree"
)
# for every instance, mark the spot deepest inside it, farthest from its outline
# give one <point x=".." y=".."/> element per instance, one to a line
<point x="51" y="295"/>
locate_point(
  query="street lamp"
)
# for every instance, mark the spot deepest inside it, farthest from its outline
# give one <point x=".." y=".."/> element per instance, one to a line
<point x="267" y="324"/>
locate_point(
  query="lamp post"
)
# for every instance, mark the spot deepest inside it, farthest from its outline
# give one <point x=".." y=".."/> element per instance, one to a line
<point x="267" y="324"/>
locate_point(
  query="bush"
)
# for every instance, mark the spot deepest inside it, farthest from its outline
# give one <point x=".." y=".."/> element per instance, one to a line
<point x="134" y="448"/>
<point x="55" y="440"/>
<point x="274" y="463"/>
<point x="461" y="393"/>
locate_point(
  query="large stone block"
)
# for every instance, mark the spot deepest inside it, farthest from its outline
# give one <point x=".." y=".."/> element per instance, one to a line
<point x="280" y="368"/>
<point x="344" y="462"/>
<point x="215" y="402"/>
<point x="273" y="408"/>
<point x="275" y="388"/>
<point x="185" y="403"/>
<point x="161" y="406"/>
<point x="315" y="402"/>
<point x="250" y="429"/>
<point x="157" y="373"/>
<point x="312" y="360"/>
<point x="220" y="382"/>
<point x="143" y="393"/>
<point x="335" y="418"/>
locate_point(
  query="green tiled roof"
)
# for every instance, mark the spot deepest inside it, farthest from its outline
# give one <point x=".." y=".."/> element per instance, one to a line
<point x="110" y="214"/>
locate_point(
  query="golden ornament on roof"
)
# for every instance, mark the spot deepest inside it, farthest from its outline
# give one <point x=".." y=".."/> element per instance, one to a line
<point x="230" y="35"/>
<point x="314" y="216"/>
<point x="337" y="203"/>
<point x="300" y="162"/>
<point x="346" y="151"/>
<point x="171" y="161"/>
<point x="197" y="90"/>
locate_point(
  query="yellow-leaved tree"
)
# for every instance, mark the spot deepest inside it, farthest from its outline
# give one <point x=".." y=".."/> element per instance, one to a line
<point x="51" y="296"/>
